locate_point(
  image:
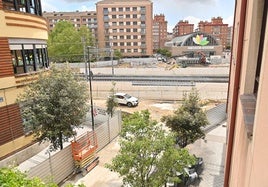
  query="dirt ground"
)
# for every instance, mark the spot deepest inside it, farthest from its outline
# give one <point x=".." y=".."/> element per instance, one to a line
<point x="156" y="109"/>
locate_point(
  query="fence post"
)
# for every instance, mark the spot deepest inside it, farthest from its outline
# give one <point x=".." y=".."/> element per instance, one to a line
<point x="109" y="131"/>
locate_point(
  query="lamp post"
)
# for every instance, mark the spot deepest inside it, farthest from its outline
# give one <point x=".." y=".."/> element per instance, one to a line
<point x="84" y="51"/>
<point x="112" y="56"/>
<point x="90" y="74"/>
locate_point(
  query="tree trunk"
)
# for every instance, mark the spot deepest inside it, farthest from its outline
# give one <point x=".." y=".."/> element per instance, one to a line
<point x="60" y="141"/>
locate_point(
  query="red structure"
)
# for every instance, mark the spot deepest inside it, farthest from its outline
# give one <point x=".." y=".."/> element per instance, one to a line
<point x="84" y="149"/>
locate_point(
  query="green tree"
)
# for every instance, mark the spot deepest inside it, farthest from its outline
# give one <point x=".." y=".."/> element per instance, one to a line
<point x="111" y="104"/>
<point x="188" y="119"/>
<point x="14" y="177"/>
<point x="147" y="156"/>
<point x="65" y="43"/>
<point x="164" y="52"/>
<point x="118" y="55"/>
<point x="54" y="105"/>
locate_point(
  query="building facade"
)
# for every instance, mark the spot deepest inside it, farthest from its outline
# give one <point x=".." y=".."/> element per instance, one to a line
<point x="216" y="28"/>
<point x="183" y="28"/>
<point x="23" y="53"/>
<point x="159" y="31"/>
<point x="247" y="152"/>
<point x="125" y="25"/>
<point x="78" y="19"/>
<point x="191" y="45"/>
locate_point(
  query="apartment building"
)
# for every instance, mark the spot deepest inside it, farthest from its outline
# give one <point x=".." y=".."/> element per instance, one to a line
<point x="125" y="25"/>
<point x="23" y="53"/>
<point x="216" y="28"/>
<point x="183" y="28"/>
<point x="247" y="152"/>
<point x="78" y="19"/>
<point x="229" y="37"/>
<point x="159" y="31"/>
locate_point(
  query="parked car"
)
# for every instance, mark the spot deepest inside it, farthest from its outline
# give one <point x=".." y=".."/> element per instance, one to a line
<point x="190" y="174"/>
<point x="126" y="99"/>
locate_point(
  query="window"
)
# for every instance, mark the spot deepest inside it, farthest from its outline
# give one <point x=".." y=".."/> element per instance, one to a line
<point x="135" y="23"/>
<point x="114" y="16"/>
<point x="128" y="30"/>
<point x="128" y="23"/>
<point x="127" y="8"/>
<point x="134" y="16"/>
<point x="105" y="18"/>
<point x="128" y="43"/>
<point x="121" y="23"/>
<point x="127" y="15"/>
<point x="260" y="53"/>
<point x="135" y="36"/>
<point x="134" y="8"/>
<point x="135" y="43"/>
<point x="121" y="16"/>
<point x="121" y="30"/>
<point x="120" y="9"/>
<point x="121" y="43"/>
<point x="121" y="37"/>
<point x="128" y="36"/>
<point x="113" y="9"/>
<point x="32" y="6"/>
<point x="30" y="59"/>
<point x="135" y="30"/>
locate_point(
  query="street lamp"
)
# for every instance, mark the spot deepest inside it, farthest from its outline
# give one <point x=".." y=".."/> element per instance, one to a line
<point x="112" y="56"/>
<point x="90" y="75"/>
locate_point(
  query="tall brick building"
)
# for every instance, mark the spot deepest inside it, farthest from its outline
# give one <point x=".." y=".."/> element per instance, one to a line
<point x="159" y="31"/>
<point x="216" y="28"/>
<point x="183" y="28"/>
<point x="125" y="25"/>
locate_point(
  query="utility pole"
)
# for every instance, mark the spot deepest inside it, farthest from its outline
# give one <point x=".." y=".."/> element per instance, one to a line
<point x="90" y="75"/>
<point x="112" y="56"/>
<point x="85" y="59"/>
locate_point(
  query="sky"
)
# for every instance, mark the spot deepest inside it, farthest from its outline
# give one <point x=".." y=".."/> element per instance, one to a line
<point x="174" y="10"/>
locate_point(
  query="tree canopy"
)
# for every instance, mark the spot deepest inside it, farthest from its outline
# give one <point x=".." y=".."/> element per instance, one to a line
<point x="164" y="52"/>
<point x="54" y="105"/>
<point x="188" y="120"/>
<point x="14" y="177"/>
<point x="147" y="155"/>
<point x="111" y="104"/>
<point x="66" y="43"/>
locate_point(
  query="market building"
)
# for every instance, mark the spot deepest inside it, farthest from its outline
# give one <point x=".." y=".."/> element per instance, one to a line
<point x="191" y="45"/>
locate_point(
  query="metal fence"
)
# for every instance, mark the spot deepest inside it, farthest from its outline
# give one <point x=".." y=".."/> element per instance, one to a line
<point x="60" y="165"/>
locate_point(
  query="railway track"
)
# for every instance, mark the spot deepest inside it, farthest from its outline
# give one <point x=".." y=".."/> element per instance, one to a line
<point x="161" y="79"/>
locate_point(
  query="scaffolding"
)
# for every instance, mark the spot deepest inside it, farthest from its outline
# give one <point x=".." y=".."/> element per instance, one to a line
<point x="84" y="149"/>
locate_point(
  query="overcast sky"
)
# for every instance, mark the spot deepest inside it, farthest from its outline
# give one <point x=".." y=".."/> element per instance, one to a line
<point x="174" y="10"/>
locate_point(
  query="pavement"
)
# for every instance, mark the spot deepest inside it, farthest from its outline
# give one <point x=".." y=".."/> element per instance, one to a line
<point x="211" y="149"/>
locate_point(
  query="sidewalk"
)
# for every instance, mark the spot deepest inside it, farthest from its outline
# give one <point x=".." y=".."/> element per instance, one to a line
<point x="101" y="176"/>
<point x="212" y="149"/>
